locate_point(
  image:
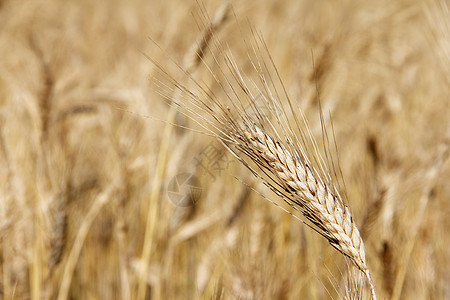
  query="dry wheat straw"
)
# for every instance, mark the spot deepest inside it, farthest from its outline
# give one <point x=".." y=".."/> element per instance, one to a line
<point x="282" y="158"/>
<point x="191" y="62"/>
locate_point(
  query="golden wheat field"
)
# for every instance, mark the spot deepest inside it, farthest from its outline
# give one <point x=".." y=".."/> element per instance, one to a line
<point x="108" y="191"/>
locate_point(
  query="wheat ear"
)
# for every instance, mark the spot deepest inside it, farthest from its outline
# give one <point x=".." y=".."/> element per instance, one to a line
<point x="239" y="121"/>
<point x="316" y="201"/>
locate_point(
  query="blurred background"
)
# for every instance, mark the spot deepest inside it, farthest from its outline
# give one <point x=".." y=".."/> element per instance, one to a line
<point x="98" y="201"/>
